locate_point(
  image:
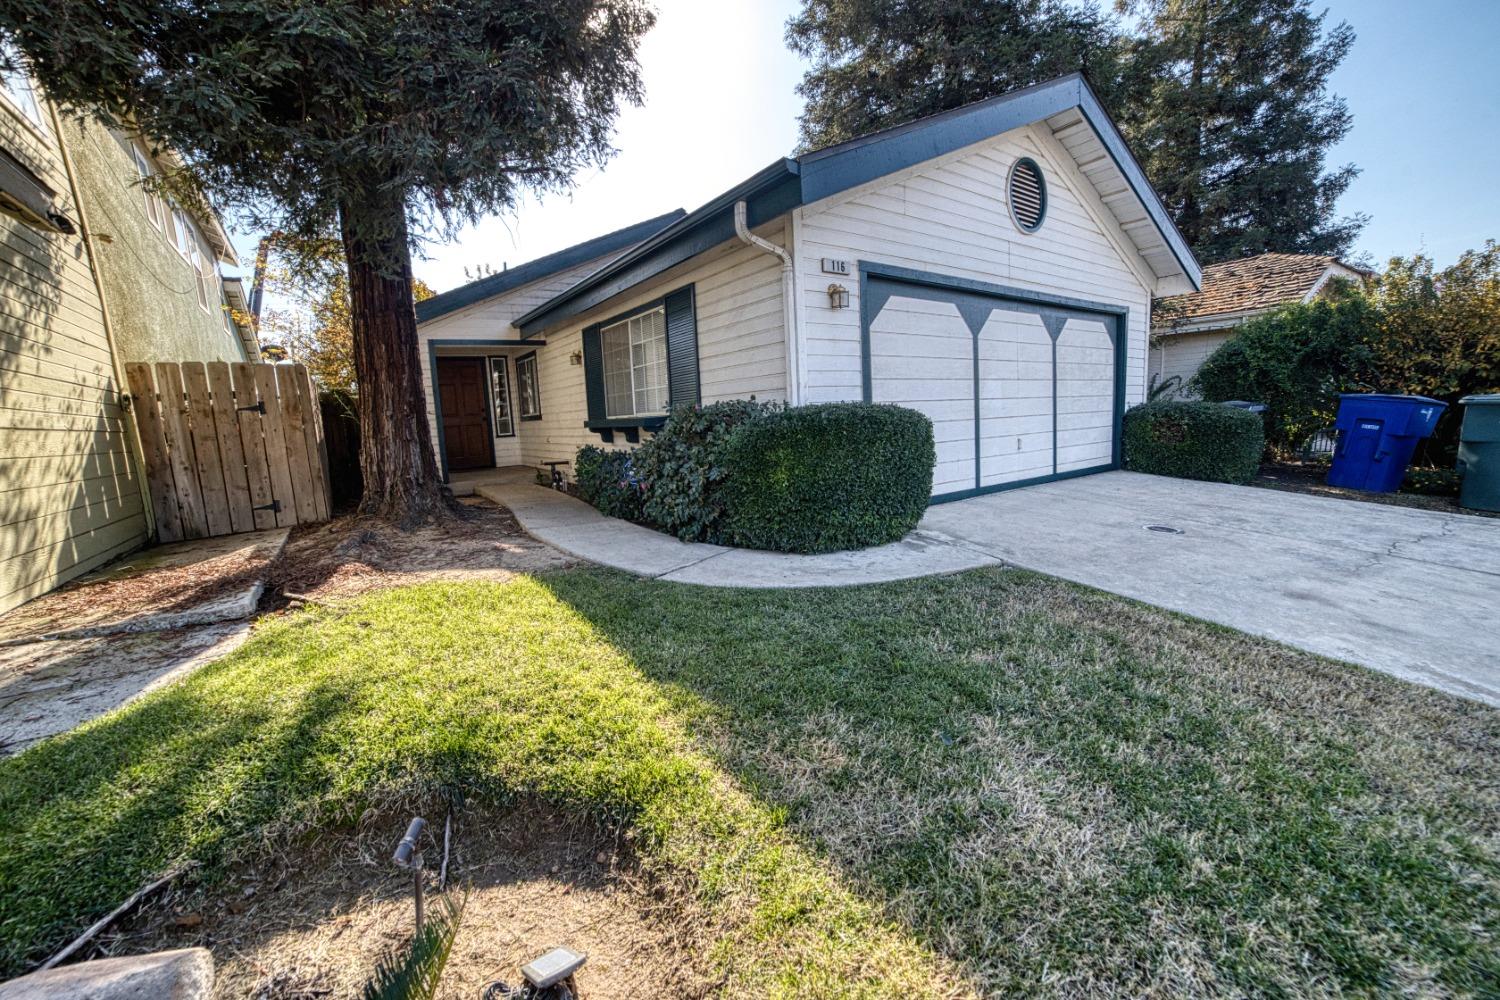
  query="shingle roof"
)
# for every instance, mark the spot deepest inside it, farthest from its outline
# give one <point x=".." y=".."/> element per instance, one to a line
<point x="790" y="182"/>
<point x="498" y="284"/>
<point x="1260" y="282"/>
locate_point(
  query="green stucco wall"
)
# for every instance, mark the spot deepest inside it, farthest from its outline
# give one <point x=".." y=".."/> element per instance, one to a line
<point x="150" y="288"/>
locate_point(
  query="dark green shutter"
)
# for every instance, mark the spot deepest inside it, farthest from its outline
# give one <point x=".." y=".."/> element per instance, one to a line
<point x="593" y="373"/>
<point x="682" y="348"/>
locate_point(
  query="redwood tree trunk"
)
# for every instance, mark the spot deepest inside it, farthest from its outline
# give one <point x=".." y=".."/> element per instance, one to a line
<point x="401" y="476"/>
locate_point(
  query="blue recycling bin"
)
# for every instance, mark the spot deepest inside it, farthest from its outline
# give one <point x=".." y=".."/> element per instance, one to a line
<point x="1377" y="435"/>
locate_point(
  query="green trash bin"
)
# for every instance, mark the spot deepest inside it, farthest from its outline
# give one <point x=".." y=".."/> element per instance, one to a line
<point x="1479" y="453"/>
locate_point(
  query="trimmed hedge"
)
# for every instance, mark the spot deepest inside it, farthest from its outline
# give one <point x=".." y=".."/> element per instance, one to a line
<point x="683" y="467"/>
<point x="827" y="477"/>
<point x="607" y="480"/>
<point x="1192" y="439"/>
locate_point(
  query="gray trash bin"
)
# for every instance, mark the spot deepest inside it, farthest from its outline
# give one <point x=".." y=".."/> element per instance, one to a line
<point x="1479" y="453"/>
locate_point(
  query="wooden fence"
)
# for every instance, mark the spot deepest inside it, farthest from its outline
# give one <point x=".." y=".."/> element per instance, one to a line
<point x="229" y="447"/>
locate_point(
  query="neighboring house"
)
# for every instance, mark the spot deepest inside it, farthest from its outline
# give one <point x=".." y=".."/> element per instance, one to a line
<point x="992" y="267"/>
<point x="1186" y="329"/>
<point x="93" y="274"/>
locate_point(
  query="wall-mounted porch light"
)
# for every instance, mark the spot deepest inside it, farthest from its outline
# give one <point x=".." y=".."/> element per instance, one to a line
<point x="576" y="358"/>
<point x="838" y="297"/>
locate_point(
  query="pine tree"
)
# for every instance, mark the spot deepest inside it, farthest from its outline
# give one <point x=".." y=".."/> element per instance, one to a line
<point x="878" y="63"/>
<point x="1226" y="103"/>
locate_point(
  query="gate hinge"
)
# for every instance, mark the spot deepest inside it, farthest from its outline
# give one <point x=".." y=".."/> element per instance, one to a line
<point x="274" y="506"/>
<point x="259" y="406"/>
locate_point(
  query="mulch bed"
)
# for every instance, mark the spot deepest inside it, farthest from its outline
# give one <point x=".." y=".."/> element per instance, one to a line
<point x="315" y="920"/>
<point x="1310" y="477"/>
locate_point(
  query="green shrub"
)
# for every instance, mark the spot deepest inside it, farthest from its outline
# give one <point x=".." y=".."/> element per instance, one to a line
<point x="682" y="467"/>
<point x="1295" y="360"/>
<point x="607" y="480"/>
<point x="1433" y="482"/>
<point x="1194" y="440"/>
<point x="827" y="477"/>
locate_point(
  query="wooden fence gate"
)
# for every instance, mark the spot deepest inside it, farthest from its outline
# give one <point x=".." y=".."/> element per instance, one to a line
<point x="229" y="447"/>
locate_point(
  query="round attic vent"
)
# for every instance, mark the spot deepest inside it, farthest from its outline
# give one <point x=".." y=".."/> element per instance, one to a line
<point x="1028" y="195"/>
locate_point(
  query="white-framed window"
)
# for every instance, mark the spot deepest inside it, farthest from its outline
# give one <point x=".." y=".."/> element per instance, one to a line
<point x="20" y="91"/>
<point x="634" y="352"/>
<point x="500" y="397"/>
<point x="528" y="388"/>
<point x="201" y="272"/>
<point x="154" y="209"/>
<point x="182" y="234"/>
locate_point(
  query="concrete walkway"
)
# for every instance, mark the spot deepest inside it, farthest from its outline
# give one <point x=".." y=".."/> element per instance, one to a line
<point x="1413" y="593"/>
<point x="579" y="530"/>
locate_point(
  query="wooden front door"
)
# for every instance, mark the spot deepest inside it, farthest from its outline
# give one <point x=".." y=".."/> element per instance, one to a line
<point x="467" y="440"/>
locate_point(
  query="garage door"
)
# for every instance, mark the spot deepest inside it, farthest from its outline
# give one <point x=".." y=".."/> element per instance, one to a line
<point x="1018" y="391"/>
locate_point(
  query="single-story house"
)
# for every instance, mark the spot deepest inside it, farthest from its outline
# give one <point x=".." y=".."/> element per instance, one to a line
<point x="1186" y="329"/>
<point x="992" y="266"/>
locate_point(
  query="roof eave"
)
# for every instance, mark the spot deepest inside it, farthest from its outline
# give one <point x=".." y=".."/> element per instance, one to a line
<point x="788" y="183"/>
<point x="830" y="171"/>
<point x="475" y="292"/>
<point x="768" y="196"/>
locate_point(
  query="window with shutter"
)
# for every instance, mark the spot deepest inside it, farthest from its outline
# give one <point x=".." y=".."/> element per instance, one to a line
<point x="638" y="366"/>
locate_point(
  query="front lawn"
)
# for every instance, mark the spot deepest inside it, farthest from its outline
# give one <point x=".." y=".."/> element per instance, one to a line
<point x="990" y="783"/>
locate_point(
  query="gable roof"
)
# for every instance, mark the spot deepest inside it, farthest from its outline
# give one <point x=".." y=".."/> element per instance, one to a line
<point x="1068" y="105"/>
<point x="1250" y="284"/>
<point x="514" y="277"/>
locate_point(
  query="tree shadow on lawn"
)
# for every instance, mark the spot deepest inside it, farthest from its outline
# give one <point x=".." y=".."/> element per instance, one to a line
<point x="96" y="812"/>
<point x="1071" y="793"/>
<point x="991" y="782"/>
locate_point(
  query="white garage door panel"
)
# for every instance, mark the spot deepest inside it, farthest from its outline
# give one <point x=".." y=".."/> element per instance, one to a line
<point x="1085" y="395"/>
<point x="1015" y="392"/>
<point x="922" y="356"/>
<point x="1045" y="377"/>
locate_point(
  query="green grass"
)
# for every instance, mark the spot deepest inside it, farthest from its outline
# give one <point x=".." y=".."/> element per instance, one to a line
<point x="992" y="783"/>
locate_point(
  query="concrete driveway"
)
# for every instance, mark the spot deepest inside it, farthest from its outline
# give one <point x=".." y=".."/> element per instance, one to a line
<point x="1413" y="593"/>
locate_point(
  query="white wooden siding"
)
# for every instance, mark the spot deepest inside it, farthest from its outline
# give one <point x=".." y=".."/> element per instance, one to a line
<point x="491" y="320"/>
<point x="741" y="340"/>
<point x="949" y="216"/>
<point x="69" y="490"/>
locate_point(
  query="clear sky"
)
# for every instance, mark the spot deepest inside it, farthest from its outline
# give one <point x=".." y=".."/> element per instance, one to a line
<point x="1422" y="81"/>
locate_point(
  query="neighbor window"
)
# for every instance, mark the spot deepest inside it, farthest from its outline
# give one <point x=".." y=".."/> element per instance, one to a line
<point x="182" y="234"/>
<point x="528" y="388"/>
<point x="201" y="270"/>
<point x="635" y="365"/>
<point x="154" y="210"/>
<point x="17" y="86"/>
<point x="500" y="393"/>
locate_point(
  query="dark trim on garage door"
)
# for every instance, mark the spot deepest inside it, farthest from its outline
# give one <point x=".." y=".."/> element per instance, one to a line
<point x="973" y="299"/>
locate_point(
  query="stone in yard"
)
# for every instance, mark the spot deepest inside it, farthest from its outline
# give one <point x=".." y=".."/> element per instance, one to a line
<point x="184" y="974"/>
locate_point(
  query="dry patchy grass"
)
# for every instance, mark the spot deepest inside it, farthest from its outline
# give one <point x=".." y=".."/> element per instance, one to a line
<point x="992" y="783"/>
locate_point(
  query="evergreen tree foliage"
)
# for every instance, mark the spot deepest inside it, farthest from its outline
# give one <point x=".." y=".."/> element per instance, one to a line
<point x="377" y="121"/>
<point x="878" y="63"/>
<point x="1227" y="106"/>
<point x="1226" y="102"/>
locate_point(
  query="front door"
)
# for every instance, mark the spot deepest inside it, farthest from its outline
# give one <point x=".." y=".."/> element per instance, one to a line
<point x="467" y="440"/>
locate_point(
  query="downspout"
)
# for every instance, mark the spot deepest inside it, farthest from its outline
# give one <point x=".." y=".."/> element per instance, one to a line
<point x="788" y="294"/>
